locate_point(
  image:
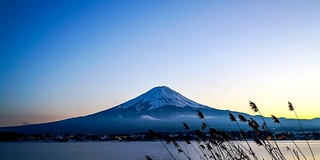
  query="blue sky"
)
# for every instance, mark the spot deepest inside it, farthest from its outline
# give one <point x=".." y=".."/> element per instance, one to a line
<point x="62" y="59"/>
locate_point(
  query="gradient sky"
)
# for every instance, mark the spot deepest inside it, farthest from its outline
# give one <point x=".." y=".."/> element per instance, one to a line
<point x="69" y="58"/>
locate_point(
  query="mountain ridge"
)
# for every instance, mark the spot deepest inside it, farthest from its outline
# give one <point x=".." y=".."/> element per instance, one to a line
<point x="161" y="109"/>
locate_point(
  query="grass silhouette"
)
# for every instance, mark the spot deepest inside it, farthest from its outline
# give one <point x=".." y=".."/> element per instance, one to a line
<point x="218" y="145"/>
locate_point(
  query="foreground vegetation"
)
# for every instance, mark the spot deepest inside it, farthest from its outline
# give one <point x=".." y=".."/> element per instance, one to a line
<point x="219" y="145"/>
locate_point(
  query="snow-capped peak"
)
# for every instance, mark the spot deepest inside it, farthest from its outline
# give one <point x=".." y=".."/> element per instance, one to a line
<point x="159" y="97"/>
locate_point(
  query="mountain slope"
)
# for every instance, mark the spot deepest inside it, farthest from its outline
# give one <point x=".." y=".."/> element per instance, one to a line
<point x="159" y="97"/>
<point x="161" y="109"/>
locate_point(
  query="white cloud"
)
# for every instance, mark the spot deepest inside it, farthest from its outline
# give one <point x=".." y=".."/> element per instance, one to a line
<point x="195" y="116"/>
<point x="149" y="117"/>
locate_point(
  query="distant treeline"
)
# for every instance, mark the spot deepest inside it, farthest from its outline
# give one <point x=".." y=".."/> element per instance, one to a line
<point x="47" y="137"/>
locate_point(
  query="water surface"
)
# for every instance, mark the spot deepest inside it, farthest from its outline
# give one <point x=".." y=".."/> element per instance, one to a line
<point x="120" y="150"/>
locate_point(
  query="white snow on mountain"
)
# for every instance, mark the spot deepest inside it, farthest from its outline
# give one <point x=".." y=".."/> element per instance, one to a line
<point x="159" y="97"/>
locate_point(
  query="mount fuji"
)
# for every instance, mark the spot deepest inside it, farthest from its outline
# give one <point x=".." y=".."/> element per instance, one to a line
<point x="161" y="109"/>
<point x="160" y="97"/>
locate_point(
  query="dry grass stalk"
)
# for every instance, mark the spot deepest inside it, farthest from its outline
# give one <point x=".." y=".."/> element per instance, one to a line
<point x="219" y="146"/>
<point x="277" y="152"/>
<point x="242" y="118"/>
<point x="276" y="120"/>
<point x="292" y="109"/>
<point x="186" y="127"/>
